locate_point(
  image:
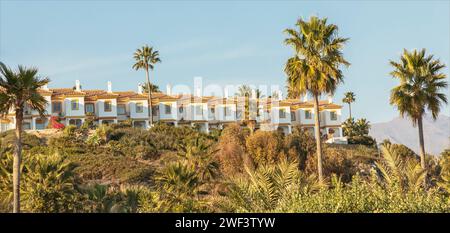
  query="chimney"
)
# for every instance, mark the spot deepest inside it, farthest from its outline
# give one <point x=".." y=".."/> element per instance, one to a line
<point x="109" y="87"/>
<point x="140" y="89"/>
<point x="45" y="87"/>
<point x="77" y="85"/>
<point x="280" y="95"/>
<point x="169" y="89"/>
<point x="253" y="94"/>
<point x="225" y="93"/>
<point x="330" y="98"/>
<point x="305" y="97"/>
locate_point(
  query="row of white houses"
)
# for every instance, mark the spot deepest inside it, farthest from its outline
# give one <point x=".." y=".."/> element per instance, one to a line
<point x="72" y="106"/>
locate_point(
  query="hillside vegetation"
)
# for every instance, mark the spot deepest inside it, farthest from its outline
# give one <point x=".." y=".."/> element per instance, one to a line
<point x="178" y="169"/>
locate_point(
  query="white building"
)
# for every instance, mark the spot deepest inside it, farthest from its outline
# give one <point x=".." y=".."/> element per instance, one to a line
<point x="72" y="106"/>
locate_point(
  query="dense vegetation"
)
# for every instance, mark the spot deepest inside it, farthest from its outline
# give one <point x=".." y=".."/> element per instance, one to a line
<point x="178" y="169"/>
<point x="168" y="169"/>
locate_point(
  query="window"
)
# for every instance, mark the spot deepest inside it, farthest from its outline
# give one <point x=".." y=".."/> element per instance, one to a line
<point x="282" y="113"/>
<point x="76" y="122"/>
<point x="139" y="124"/>
<point x="227" y="111"/>
<point x="107" y="105"/>
<point x="180" y="110"/>
<point x="212" y="110"/>
<point x="90" y="108"/>
<point x="333" y="115"/>
<point x="308" y="114"/>
<point x="75" y="104"/>
<point x="168" y="108"/>
<point x="139" y="108"/>
<point x="292" y="116"/>
<point x="40" y="123"/>
<point x="198" y="110"/>
<point x="121" y="109"/>
<point x="56" y="107"/>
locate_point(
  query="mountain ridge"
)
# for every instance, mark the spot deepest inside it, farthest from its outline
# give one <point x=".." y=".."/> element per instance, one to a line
<point x="401" y="130"/>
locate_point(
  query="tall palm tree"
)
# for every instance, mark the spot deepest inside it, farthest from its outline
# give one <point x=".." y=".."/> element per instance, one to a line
<point x="17" y="89"/>
<point x="420" y="83"/>
<point x="349" y="99"/>
<point x="153" y="87"/>
<point x="315" y="67"/>
<point x="245" y="91"/>
<point x="146" y="58"/>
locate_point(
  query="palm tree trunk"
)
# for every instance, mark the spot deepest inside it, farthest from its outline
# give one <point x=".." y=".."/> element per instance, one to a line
<point x="318" y="138"/>
<point x="422" y="148"/>
<point x="150" y="110"/>
<point x="421" y="143"/>
<point x="16" y="162"/>
<point x="350" y="109"/>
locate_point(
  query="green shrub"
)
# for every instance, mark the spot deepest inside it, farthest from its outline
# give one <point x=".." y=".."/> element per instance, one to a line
<point x="69" y="131"/>
<point x="344" y="160"/>
<point x="47" y="185"/>
<point x="265" y="147"/>
<point x="301" y="144"/>
<point x="110" y="168"/>
<point x="231" y="151"/>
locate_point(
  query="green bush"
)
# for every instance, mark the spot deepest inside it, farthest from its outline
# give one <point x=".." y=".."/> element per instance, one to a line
<point x="69" y="131"/>
<point x="47" y="185"/>
<point x="110" y="168"/>
<point x="344" y="160"/>
<point x="231" y="151"/>
<point x="265" y="147"/>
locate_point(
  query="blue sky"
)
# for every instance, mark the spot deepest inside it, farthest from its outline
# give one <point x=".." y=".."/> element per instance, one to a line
<point x="224" y="42"/>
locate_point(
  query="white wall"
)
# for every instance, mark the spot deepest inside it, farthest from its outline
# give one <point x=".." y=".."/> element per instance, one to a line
<point x="220" y="112"/>
<point x="301" y="115"/>
<point x="275" y="115"/>
<point x="100" y="106"/>
<point x="132" y="109"/>
<point x="326" y="117"/>
<point x="67" y="108"/>
<point x="193" y="115"/>
<point x="162" y="110"/>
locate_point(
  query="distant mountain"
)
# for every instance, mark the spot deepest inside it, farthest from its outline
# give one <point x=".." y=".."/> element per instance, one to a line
<point x="400" y="130"/>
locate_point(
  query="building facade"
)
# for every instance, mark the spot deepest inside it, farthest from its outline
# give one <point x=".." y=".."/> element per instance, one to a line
<point x="73" y="106"/>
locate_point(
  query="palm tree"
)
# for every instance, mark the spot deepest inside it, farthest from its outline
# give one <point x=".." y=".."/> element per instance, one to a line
<point x="362" y="126"/>
<point x="266" y="189"/>
<point x="349" y="99"/>
<point x="146" y="58"/>
<point x="314" y="68"/>
<point x="420" y="83"/>
<point x="17" y="89"/>
<point x="244" y="91"/>
<point x="153" y="87"/>
<point x="398" y="172"/>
